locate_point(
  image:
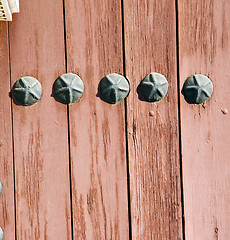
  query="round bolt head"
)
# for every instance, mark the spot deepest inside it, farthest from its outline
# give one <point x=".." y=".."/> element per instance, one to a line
<point x="114" y="88"/>
<point x="154" y="87"/>
<point x="1" y="186"/>
<point x="27" y="91"/>
<point x="1" y="234"/>
<point x="197" y="89"/>
<point x="68" y="88"/>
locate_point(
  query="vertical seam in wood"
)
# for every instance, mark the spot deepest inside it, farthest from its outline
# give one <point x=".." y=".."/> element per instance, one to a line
<point x="12" y="129"/>
<point x="179" y="115"/>
<point x="70" y="173"/>
<point x="65" y="40"/>
<point x="128" y="175"/>
<point x="126" y="124"/>
<point x="68" y="122"/>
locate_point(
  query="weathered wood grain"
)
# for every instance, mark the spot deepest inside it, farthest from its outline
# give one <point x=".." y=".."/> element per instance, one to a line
<point x="204" y="42"/>
<point x="7" y="216"/>
<point x="150" y="46"/>
<point x="98" y="157"/>
<point x="40" y="131"/>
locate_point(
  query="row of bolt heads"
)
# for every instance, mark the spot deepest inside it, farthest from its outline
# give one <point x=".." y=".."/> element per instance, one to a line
<point x="69" y="88"/>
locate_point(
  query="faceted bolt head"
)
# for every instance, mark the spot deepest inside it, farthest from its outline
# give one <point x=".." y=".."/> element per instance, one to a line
<point x="197" y="89"/>
<point x="1" y="234"/>
<point x="154" y="87"/>
<point x="114" y="88"/>
<point x="27" y="91"/>
<point x="1" y="186"/>
<point x="68" y="88"/>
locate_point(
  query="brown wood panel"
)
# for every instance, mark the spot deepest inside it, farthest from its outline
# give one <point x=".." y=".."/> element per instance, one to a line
<point x="204" y="42"/>
<point x="98" y="156"/>
<point x="150" y="44"/>
<point x="40" y="131"/>
<point x="7" y="218"/>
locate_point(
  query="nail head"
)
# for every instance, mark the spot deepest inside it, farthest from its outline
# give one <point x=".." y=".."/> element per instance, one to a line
<point x="151" y="113"/>
<point x="154" y="87"/>
<point x="114" y="88"/>
<point x="68" y="88"/>
<point x="197" y="89"/>
<point x="27" y="90"/>
<point x="224" y="111"/>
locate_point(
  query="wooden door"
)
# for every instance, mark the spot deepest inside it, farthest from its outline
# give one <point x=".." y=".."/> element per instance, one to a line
<point x="131" y="170"/>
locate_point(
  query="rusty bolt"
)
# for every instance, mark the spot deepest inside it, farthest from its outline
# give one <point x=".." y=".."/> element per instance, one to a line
<point x="114" y="88"/>
<point x="154" y="87"/>
<point x="68" y="88"/>
<point x="27" y="90"/>
<point x="197" y="89"/>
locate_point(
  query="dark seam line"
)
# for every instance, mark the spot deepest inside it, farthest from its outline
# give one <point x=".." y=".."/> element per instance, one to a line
<point x="70" y="173"/>
<point x="179" y="115"/>
<point x="68" y="122"/>
<point x="126" y="125"/>
<point x="12" y="128"/>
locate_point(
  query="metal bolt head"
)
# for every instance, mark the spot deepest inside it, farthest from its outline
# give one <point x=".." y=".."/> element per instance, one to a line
<point x="68" y="88"/>
<point x="197" y="89"/>
<point x="1" y="234"/>
<point x="1" y="186"/>
<point x="154" y="87"/>
<point x="27" y="90"/>
<point x="114" y="88"/>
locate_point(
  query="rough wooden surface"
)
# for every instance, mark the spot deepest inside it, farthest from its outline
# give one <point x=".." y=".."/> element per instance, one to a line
<point x="7" y="218"/>
<point x="98" y="157"/>
<point x="150" y="43"/>
<point x="97" y="129"/>
<point x="40" y="131"/>
<point x="204" y="42"/>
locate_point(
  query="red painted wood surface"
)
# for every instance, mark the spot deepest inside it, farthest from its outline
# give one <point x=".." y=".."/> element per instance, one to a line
<point x="40" y="131"/>
<point x="97" y="130"/>
<point x="7" y="218"/>
<point x="98" y="156"/>
<point x="150" y="44"/>
<point x="205" y="48"/>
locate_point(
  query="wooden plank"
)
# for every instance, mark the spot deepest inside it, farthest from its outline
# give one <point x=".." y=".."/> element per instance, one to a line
<point x="7" y="218"/>
<point x="40" y="131"/>
<point x="150" y="43"/>
<point x="204" y="42"/>
<point x="98" y="157"/>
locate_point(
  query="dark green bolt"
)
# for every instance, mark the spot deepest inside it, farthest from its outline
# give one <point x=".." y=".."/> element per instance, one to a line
<point x="197" y="89"/>
<point x="1" y="234"/>
<point x="1" y="186"/>
<point x="114" y="88"/>
<point x="68" y="88"/>
<point x="27" y="91"/>
<point x="154" y="87"/>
